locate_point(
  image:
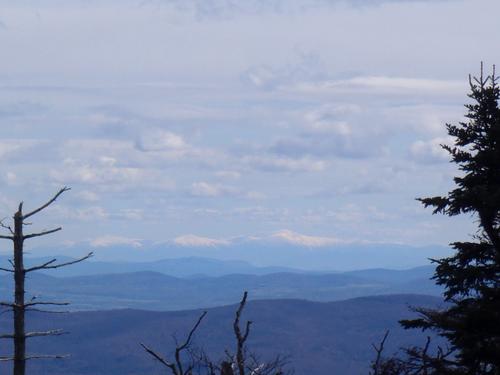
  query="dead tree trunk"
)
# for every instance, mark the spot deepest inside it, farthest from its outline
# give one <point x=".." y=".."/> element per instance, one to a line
<point x="19" y="309"/>
<point x="20" y="306"/>
<point x="241" y="338"/>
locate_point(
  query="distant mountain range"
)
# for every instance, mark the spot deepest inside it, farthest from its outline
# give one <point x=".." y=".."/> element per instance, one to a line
<point x="276" y="254"/>
<point x="320" y="338"/>
<point x="178" y="267"/>
<point x="157" y="291"/>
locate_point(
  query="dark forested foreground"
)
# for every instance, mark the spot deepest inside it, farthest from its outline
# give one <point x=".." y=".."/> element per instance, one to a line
<point x="320" y="338"/>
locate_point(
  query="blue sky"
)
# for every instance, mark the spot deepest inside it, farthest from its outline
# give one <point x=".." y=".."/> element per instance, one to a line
<point x="311" y="122"/>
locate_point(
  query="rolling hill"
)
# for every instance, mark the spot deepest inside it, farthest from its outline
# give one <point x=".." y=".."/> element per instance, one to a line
<point x="320" y="338"/>
<point x="157" y="291"/>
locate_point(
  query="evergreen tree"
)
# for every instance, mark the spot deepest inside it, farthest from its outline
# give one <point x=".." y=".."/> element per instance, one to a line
<point x="471" y="277"/>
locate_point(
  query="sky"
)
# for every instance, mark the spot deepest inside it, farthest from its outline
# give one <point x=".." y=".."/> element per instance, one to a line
<point x="199" y="122"/>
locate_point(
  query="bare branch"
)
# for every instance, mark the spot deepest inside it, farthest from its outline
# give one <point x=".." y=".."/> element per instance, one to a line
<point x="240" y="339"/>
<point x="182" y="347"/>
<point x="44" y="233"/>
<point x="7" y="237"/>
<point x="176" y="367"/>
<point x="6" y="269"/>
<point x="45" y="205"/>
<point x="159" y="358"/>
<point x="191" y="333"/>
<point x="43" y="356"/>
<point x="46" y="303"/>
<point x="42" y="266"/>
<point x="6" y="226"/>
<point x="54" y="332"/>
<point x="379" y="349"/>
<point x="49" y="265"/>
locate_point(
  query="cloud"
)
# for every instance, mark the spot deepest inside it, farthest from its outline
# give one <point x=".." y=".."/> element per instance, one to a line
<point x="161" y="140"/>
<point x="380" y="84"/>
<point x="13" y="148"/>
<point x="92" y="213"/>
<point x="273" y="163"/>
<point x="197" y="241"/>
<point x="110" y="240"/>
<point x="304" y="240"/>
<point x="331" y="119"/>
<point x="430" y="152"/>
<point x="88" y="196"/>
<point x="255" y="195"/>
<point x="425" y="119"/>
<point x="228" y="174"/>
<point x="377" y="185"/>
<point x="11" y="178"/>
<point x="107" y="175"/>
<point x="130" y="214"/>
<point x="333" y="130"/>
<point x="228" y="9"/>
<point x="205" y="189"/>
<point x="21" y="109"/>
<point x="307" y="68"/>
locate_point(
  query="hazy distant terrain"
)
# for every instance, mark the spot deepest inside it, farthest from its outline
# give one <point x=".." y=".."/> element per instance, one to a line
<point x="321" y="338"/>
<point x="179" y="267"/>
<point x="157" y="291"/>
<point x="181" y="260"/>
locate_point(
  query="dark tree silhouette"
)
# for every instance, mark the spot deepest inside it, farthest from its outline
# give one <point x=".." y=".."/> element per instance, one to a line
<point x="471" y="277"/>
<point x="19" y="307"/>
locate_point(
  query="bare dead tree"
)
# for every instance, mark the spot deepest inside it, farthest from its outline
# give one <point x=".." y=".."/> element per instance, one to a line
<point x="241" y="338"/>
<point x="240" y="363"/>
<point x="379" y="349"/>
<point x="176" y="367"/>
<point x="20" y="306"/>
<point x="245" y="362"/>
<point x="413" y="361"/>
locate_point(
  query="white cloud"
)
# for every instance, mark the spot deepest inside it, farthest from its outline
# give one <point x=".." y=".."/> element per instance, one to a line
<point x="425" y="119"/>
<point x="331" y="119"/>
<point x="380" y="84"/>
<point x="14" y="147"/>
<point x="198" y="241"/>
<point x="255" y="195"/>
<point x="161" y="140"/>
<point x="105" y="175"/>
<point x="304" y="240"/>
<point x="307" y="68"/>
<point x="228" y="174"/>
<point x="110" y="240"/>
<point x="327" y="131"/>
<point x="131" y="214"/>
<point x="285" y="164"/>
<point x="11" y="178"/>
<point x="429" y="152"/>
<point x="93" y="213"/>
<point x="205" y="189"/>
<point x="88" y="196"/>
